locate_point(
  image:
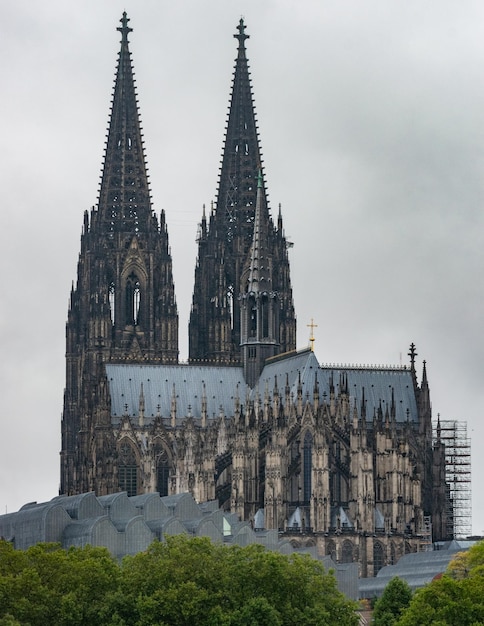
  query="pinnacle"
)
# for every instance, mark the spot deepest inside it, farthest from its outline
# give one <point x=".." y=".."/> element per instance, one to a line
<point x="124" y="29"/>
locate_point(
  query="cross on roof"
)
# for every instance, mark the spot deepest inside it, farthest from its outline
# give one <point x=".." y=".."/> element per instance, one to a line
<point x="312" y="326"/>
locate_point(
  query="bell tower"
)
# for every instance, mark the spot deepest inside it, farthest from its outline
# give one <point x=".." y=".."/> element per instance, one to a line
<point x="122" y="308"/>
<point x="224" y="242"/>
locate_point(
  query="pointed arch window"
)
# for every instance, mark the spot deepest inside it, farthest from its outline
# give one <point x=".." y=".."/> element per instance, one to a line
<point x="128" y="469"/>
<point x="393" y="555"/>
<point x="265" y="315"/>
<point x="378" y="557"/>
<point x="112" y="301"/>
<point x="347" y="552"/>
<point x="162" y="470"/>
<point x="253" y="317"/>
<point x="133" y="300"/>
<point x="331" y="550"/>
<point x="307" y="467"/>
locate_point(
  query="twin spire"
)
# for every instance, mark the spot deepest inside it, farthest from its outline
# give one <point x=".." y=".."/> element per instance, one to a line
<point x="124" y="197"/>
<point x="239" y="234"/>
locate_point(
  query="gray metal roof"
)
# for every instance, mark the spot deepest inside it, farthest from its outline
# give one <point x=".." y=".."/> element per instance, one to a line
<point x="125" y="525"/>
<point x="220" y="384"/>
<point x="188" y="380"/>
<point x="377" y="382"/>
<point x="416" y="568"/>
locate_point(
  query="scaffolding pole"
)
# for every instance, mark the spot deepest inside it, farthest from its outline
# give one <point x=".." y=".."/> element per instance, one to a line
<point x="453" y="434"/>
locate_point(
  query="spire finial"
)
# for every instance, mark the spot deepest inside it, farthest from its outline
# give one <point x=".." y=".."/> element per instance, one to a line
<point x="412" y="354"/>
<point x="124" y="29"/>
<point x="312" y="338"/>
<point x="241" y="36"/>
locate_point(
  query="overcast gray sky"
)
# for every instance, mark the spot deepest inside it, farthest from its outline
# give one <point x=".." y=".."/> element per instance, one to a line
<point x="371" y="122"/>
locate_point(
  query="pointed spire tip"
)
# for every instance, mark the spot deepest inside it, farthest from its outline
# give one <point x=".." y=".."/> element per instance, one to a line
<point x="241" y="36"/>
<point x="124" y="29"/>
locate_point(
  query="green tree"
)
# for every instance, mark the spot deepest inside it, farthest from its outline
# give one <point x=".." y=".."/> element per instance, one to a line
<point x="447" y="602"/>
<point x="180" y="582"/>
<point x="48" y="585"/>
<point x="394" y="600"/>
<point x="192" y="581"/>
<point x="467" y="563"/>
<point x="456" y="599"/>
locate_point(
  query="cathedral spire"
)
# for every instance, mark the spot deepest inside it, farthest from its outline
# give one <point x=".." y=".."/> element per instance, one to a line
<point x="241" y="36"/>
<point x="124" y="197"/>
<point x="260" y="274"/>
<point x="230" y="234"/>
<point x="123" y="307"/>
<point x="241" y="160"/>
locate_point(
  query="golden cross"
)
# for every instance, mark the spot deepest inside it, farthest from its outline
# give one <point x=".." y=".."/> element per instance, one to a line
<point x="312" y="326"/>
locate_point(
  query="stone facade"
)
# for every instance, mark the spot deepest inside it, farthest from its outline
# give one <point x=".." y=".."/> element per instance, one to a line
<point x="338" y="458"/>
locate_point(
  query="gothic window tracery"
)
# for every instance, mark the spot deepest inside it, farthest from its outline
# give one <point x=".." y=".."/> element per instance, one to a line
<point x="162" y="469"/>
<point x="307" y="467"/>
<point x="378" y="557"/>
<point x="112" y="301"/>
<point x="265" y="316"/>
<point x="127" y="469"/>
<point x="393" y="558"/>
<point x="331" y="550"/>
<point x="253" y="317"/>
<point x="133" y="300"/>
<point x="347" y="552"/>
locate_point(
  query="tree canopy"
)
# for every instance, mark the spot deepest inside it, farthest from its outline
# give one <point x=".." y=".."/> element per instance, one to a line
<point x="394" y="600"/>
<point x="48" y="585"/>
<point x="180" y="582"/>
<point x="456" y="599"/>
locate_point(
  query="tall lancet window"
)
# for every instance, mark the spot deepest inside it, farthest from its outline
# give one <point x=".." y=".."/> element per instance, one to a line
<point x="127" y="469"/>
<point x="133" y="300"/>
<point x="162" y="469"/>
<point x="112" y="302"/>
<point x="253" y="317"/>
<point x="265" y="316"/>
<point x="378" y="557"/>
<point x="307" y="467"/>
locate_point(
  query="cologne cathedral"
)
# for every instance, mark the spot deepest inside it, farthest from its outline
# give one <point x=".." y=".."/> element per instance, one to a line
<point x="341" y="459"/>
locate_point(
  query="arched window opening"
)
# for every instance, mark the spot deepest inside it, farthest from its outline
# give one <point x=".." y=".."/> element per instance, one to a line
<point x="347" y="552"/>
<point x="331" y="550"/>
<point x="378" y="557"/>
<point x="307" y="467"/>
<point x="265" y="316"/>
<point x="133" y="300"/>
<point x="253" y="318"/>
<point x="112" y="301"/>
<point x="230" y="304"/>
<point x="393" y="556"/>
<point x="162" y="470"/>
<point x="127" y="469"/>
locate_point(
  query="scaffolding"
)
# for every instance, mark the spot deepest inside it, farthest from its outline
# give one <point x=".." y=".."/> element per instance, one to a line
<point x="453" y="434"/>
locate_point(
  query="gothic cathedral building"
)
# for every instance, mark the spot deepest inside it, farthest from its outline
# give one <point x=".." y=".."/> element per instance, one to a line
<point x="339" y="458"/>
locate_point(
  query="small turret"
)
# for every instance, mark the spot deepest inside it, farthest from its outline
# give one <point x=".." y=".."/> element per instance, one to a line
<point x="259" y="302"/>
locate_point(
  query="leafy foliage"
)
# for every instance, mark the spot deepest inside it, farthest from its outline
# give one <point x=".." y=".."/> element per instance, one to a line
<point x="48" y="585"/>
<point x="394" y="600"/>
<point x="178" y="583"/>
<point x="456" y="599"/>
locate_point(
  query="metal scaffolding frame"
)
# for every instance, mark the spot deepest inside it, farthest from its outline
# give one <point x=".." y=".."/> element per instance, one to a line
<point x="453" y="434"/>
